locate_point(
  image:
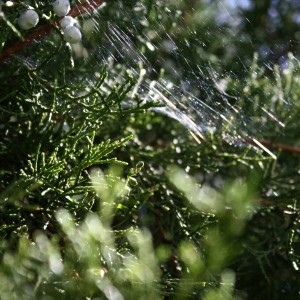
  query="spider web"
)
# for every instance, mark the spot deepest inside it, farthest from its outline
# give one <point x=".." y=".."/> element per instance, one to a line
<point x="193" y="89"/>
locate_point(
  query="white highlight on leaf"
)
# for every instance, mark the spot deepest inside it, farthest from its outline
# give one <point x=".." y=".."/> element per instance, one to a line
<point x="9" y="3"/>
<point x="55" y="263"/>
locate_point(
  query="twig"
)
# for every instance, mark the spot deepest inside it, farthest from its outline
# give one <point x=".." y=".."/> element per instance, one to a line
<point x="76" y="10"/>
<point x="281" y="147"/>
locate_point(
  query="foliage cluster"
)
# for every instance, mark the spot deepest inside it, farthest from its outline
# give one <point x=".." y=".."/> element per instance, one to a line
<point x="102" y="197"/>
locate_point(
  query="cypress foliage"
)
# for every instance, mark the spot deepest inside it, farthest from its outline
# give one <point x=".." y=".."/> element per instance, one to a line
<point x="103" y="195"/>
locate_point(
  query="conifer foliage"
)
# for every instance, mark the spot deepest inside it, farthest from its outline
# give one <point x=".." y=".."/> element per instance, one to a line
<point x="147" y="152"/>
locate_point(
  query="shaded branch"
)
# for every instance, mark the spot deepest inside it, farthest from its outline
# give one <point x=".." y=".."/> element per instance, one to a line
<point x="276" y="146"/>
<point x="77" y="10"/>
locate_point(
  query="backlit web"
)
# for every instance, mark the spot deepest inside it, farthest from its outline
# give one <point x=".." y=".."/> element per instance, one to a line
<point x="188" y="57"/>
<point x="194" y="89"/>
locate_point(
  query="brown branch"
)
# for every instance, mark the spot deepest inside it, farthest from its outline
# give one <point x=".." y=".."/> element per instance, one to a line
<point x="281" y="147"/>
<point x="41" y="32"/>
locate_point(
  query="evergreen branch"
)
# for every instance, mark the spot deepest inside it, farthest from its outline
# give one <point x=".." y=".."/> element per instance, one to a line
<point x="280" y="147"/>
<point x="43" y="31"/>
